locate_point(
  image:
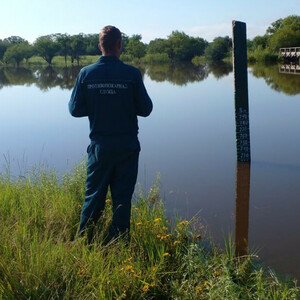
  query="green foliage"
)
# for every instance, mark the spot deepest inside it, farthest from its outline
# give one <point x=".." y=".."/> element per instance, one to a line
<point x="198" y="60"/>
<point x="158" y="46"/>
<point x="40" y="258"/>
<point x="282" y="33"/>
<point x="183" y="47"/>
<point x="262" y="55"/>
<point x="218" y="49"/>
<point x="135" y="47"/>
<point x="156" y="58"/>
<point x="3" y="46"/>
<point x="77" y="46"/>
<point x="47" y="47"/>
<point x="17" y="52"/>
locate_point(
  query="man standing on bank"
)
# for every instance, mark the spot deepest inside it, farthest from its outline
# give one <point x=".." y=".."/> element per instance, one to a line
<point x="111" y="94"/>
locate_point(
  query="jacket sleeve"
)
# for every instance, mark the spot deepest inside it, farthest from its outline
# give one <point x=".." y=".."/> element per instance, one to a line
<point x="143" y="102"/>
<point x="77" y="103"/>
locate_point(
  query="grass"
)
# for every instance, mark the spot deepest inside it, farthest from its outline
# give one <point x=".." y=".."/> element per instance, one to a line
<point x="60" y="61"/>
<point x="40" y="258"/>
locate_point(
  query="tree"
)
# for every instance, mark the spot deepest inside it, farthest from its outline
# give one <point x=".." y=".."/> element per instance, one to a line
<point x="47" y="47"/>
<point x="3" y="46"/>
<point x="158" y="46"/>
<point x="78" y="47"/>
<point x="183" y="47"/>
<point x="218" y="49"/>
<point x="12" y="40"/>
<point x="286" y="35"/>
<point x="92" y="41"/>
<point x="17" y="52"/>
<point x="64" y="41"/>
<point x="260" y="41"/>
<point x="135" y="47"/>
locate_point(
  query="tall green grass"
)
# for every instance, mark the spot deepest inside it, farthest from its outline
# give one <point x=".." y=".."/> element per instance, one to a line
<point x="40" y="258"/>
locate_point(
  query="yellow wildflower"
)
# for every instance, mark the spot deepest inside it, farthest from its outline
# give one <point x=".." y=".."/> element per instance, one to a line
<point x="198" y="236"/>
<point x="198" y="288"/>
<point x="157" y="220"/>
<point x="206" y="283"/>
<point x="128" y="259"/>
<point x="107" y="201"/>
<point x="138" y="223"/>
<point x="166" y="254"/>
<point x="183" y="223"/>
<point x="165" y="228"/>
<point x="81" y="272"/>
<point x="176" y="242"/>
<point x="129" y="268"/>
<point x="136" y="275"/>
<point x="145" y="288"/>
<point x="152" y="284"/>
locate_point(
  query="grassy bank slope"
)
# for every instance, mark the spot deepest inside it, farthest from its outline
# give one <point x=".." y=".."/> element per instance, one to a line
<point x="40" y="259"/>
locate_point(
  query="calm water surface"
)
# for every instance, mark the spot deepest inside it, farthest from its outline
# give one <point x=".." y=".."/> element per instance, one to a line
<point x="189" y="139"/>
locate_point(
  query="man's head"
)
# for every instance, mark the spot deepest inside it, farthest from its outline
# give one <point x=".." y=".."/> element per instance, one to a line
<point x="110" y="41"/>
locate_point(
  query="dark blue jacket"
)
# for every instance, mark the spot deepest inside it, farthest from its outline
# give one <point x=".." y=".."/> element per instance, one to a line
<point x="112" y="94"/>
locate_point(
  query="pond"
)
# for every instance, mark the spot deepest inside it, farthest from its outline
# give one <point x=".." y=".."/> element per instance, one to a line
<point x="189" y="139"/>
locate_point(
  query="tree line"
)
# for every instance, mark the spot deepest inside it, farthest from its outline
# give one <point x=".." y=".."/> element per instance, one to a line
<point x="178" y="46"/>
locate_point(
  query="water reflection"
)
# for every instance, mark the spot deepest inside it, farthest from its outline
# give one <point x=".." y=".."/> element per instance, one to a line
<point x="242" y="208"/>
<point x="280" y="82"/>
<point x="64" y="77"/>
<point x="177" y="74"/>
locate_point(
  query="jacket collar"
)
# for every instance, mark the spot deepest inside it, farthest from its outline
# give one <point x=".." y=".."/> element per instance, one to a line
<point x="105" y="59"/>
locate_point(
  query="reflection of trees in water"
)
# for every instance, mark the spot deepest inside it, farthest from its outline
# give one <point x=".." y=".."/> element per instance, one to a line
<point x="286" y="83"/>
<point x="221" y="69"/>
<point x="51" y="77"/>
<point x="178" y="74"/>
<point x="44" y="78"/>
<point x="16" y="76"/>
<point x="64" y="77"/>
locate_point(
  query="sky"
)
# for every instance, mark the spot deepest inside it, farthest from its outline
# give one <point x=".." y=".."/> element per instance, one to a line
<point x="152" y="19"/>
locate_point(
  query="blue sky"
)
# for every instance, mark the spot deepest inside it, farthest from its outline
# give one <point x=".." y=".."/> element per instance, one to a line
<point x="150" y="18"/>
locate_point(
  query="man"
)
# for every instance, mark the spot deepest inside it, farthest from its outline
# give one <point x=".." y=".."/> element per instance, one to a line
<point x="111" y="94"/>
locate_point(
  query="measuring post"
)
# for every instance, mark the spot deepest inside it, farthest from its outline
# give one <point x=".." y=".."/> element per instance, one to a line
<point x="239" y="45"/>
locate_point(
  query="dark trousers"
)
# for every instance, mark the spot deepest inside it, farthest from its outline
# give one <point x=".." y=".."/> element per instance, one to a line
<point x="116" y="168"/>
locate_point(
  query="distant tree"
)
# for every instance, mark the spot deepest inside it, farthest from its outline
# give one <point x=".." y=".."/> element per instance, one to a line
<point x="183" y="47"/>
<point x="125" y="39"/>
<point x="260" y="41"/>
<point x="64" y="41"/>
<point x="158" y="46"/>
<point x="3" y="46"/>
<point x="286" y="35"/>
<point x="78" y="47"/>
<point x="218" y="49"/>
<point x="17" y="52"/>
<point x="274" y="27"/>
<point x="92" y="41"/>
<point x="14" y="40"/>
<point x="47" y="47"/>
<point x="135" y="47"/>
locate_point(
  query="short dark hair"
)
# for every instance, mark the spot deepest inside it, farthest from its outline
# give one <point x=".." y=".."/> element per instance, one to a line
<point x="108" y="38"/>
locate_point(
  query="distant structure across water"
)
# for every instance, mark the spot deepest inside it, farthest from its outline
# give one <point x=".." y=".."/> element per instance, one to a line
<point x="290" y="69"/>
<point x="291" y="54"/>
